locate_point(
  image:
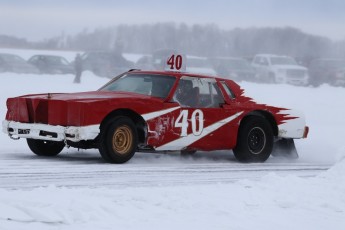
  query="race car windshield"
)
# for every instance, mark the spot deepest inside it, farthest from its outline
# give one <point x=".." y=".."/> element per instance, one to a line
<point x="146" y="84"/>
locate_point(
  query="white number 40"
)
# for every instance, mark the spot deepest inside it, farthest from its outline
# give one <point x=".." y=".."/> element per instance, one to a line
<point x="197" y="120"/>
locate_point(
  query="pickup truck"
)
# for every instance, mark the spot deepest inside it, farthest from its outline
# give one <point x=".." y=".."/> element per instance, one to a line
<point x="279" y="69"/>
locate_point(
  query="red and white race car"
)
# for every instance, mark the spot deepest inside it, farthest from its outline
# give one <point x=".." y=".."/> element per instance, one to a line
<point x="154" y="111"/>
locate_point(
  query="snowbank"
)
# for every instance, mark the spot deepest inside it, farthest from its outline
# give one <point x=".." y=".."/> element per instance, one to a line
<point x="274" y="202"/>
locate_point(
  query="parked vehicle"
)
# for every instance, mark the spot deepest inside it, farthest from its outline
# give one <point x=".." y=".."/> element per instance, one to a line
<point x="145" y="63"/>
<point x="105" y="63"/>
<point x="327" y="70"/>
<point x="199" y="65"/>
<point x="235" y="68"/>
<point x="279" y="69"/>
<point x="16" y="64"/>
<point x="51" y="64"/>
<point x="155" y="111"/>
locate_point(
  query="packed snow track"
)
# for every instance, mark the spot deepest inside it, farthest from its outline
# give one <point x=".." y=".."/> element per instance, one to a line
<point x="86" y="169"/>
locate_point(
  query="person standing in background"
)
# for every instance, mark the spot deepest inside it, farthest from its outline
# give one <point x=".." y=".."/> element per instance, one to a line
<point x="78" y="66"/>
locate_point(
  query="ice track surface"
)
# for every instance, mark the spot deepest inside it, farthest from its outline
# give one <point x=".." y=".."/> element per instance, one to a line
<point x="24" y="170"/>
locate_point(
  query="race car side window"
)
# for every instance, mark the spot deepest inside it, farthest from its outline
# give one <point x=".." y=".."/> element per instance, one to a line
<point x="228" y="90"/>
<point x="198" y="93"/>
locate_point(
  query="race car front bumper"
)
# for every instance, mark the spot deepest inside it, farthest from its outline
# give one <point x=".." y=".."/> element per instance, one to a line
<point x="18" y="130"/>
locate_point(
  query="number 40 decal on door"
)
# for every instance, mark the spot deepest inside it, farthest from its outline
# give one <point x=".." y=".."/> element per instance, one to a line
<point x="197" y="122"/>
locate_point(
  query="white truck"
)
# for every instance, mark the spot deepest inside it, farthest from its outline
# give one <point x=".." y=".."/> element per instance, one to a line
<point x="279" y="69"/>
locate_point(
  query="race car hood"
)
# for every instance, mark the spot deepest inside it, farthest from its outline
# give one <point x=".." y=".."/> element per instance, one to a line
<point x="85" y="96"/>
<point x="74" y="109"/>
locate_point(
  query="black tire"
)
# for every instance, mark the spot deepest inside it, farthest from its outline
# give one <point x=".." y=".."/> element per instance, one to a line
<point x="119" y="141"/>
<point x="271" y="78"/>
<point x="315" y="83"/>
<point x="254" y="140"/>
<point x="45" y="148"/>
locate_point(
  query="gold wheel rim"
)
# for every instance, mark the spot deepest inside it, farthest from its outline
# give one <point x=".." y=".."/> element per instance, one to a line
<point x="122" y="140"/>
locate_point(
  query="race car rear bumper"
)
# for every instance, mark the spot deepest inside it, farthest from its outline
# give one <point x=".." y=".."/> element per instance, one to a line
<point x="49" y="132"/>
<point x="294" y="127"/>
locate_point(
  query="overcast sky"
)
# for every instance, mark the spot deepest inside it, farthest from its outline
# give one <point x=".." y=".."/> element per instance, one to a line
<point x="39" y="19"/>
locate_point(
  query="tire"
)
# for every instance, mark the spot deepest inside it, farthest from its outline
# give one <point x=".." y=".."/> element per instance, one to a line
<point x="45" y="148"/>
<point x="119" y="141"/>
<point x="271" y="78"/>
<point x="254" y="140"/>
<point x="315" y="83"/>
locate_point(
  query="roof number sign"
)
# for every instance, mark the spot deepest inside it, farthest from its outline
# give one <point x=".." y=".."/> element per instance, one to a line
<point x="175" y="62"/>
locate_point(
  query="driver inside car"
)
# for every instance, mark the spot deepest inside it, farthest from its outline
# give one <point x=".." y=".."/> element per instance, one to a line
<point x="185" y="94"/>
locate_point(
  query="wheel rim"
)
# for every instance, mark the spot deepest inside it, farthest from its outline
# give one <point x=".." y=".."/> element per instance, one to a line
<point x="256" y="140"/>
<point x="122" y="140"/>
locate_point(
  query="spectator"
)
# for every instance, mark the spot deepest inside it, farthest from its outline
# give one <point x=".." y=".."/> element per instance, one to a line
<point x="78" y="65"/>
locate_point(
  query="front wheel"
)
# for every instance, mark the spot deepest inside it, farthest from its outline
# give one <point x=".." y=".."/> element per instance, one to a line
<point x="119" y="141"/>
<point x="45" y="148"/>
<point x="254" y="141"/>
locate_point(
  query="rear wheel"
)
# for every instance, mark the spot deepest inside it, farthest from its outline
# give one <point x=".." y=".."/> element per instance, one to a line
<point x="119" y="141"/>
<point x="254" y="141"/>
<point x="45" y="148"/>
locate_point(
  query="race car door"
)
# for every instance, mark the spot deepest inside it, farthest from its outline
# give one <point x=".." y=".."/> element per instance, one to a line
<point x="202" y="122"/>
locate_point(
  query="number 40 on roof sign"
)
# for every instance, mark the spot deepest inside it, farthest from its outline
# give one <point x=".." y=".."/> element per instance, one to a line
<point x="175" y="63"/>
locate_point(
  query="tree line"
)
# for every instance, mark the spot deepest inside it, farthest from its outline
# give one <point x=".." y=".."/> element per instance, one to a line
<point x="202" y="40"/>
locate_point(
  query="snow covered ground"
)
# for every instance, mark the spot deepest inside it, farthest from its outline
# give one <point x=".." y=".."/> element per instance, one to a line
<point x="207" y="191"/>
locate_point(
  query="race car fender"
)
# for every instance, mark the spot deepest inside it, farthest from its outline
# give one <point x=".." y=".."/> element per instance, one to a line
<point x="295" y="127"/>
